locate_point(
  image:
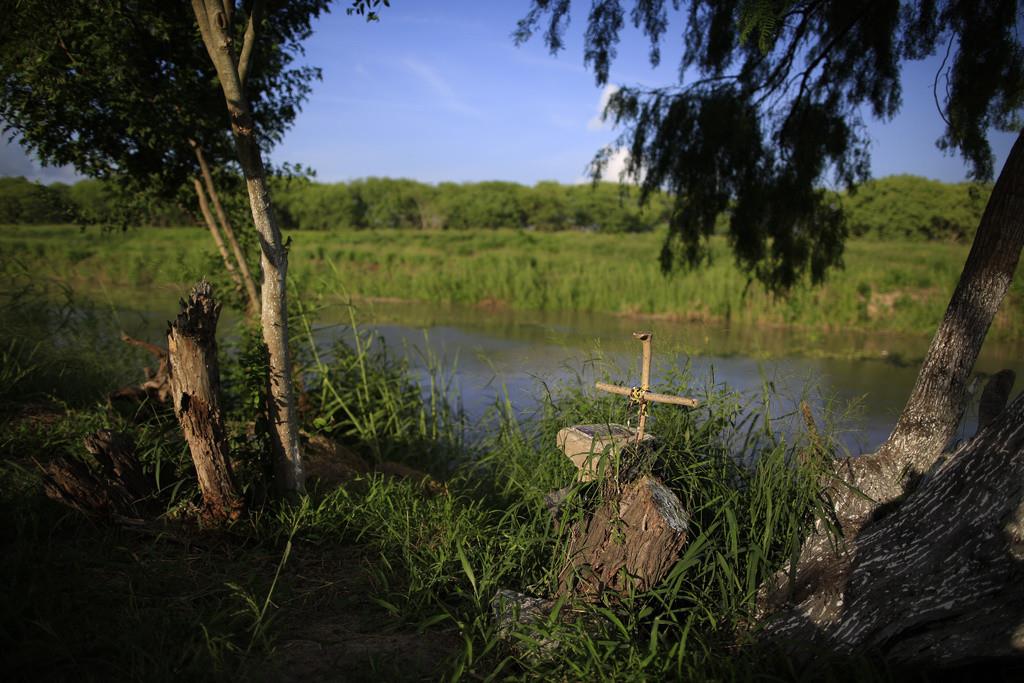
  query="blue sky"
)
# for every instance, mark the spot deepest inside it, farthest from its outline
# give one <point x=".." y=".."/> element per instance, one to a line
<point x="438" y="91"/>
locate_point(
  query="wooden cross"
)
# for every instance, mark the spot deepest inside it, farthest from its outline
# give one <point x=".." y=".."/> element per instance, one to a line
<point x="642" y="394"/>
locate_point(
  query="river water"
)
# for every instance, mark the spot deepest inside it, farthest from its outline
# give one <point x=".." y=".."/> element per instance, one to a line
<point x="493" y="351"/>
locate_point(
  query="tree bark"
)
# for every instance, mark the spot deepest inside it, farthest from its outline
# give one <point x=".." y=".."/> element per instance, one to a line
<point x="926" y="566"/>
<point x="118" y="486"/>
<point x="940" y="579"/>
<point x="243" y="265"/>
<point x="629" y="542"/>
<point x="195" y="387"/>
<point x="204" y="209"/>
<point x="936" y="403"/>
<point x="215" y="30"/>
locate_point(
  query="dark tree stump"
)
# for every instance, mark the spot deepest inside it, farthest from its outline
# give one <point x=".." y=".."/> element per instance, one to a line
<point x="118" y="486"/>
<point x="630" y="542"/>
<point x="195" y="388"/>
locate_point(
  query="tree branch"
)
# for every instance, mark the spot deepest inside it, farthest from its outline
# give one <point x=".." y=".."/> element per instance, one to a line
<point x="218" y="46"/>
<point x="229" y="10"/>
<point x="249" y="43"/>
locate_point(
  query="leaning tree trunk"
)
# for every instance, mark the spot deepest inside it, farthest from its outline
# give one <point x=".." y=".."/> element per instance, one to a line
<point x="195" y="388"/>
<point x="912" y="530"/>
<point x="937" y="581"/>
<point x="215" y="28"/>
<point x="931" y="415"/>
<point x="204" y="209"/>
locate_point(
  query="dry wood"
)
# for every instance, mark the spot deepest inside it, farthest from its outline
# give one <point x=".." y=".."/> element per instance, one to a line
<point x="118" y="486"/>
<point x="157" y="386"/>
<point x="630" y="541"/>
<point x="195" y="387"/>
<point x="650" y="395"/>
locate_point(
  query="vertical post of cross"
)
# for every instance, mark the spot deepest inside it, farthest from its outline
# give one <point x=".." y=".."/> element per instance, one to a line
<point x="645" y="381"/>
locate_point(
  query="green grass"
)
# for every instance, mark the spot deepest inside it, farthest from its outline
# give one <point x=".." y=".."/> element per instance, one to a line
<point x="886" y="286"/>
<point x="382" y="559"/>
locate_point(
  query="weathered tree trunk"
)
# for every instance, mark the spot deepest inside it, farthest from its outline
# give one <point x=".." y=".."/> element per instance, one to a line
<point x="630" y="541"/>
<point x="215" y="27"/>
<point x="243" y="265"/>
<point x="938" y="580"/>
<point x="936" y="403"/>
<point x="195" y="387"/>
<point x="204" y="209"/>
<point x="927" y="568"/>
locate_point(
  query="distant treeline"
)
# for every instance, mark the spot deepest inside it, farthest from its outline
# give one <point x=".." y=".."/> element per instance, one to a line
<point x="896" y="207"/>
<point x="87" y="202"/>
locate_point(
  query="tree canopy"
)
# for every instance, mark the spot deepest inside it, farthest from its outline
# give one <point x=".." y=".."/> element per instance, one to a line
<point x="768" y="109"/>
<point x="119" y="89"/>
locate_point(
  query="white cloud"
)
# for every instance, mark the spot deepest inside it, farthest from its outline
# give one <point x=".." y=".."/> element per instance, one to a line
<point x="614" y="170"/>
<point x="597" y="121"/>
<point x="442" y="90"/>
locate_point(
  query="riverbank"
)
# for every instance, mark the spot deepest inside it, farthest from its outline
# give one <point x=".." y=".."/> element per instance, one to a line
<point x="893" y="287"/>
<point x="370" y="576"/>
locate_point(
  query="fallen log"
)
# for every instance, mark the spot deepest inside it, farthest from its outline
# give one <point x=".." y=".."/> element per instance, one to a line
<point x="115" y="485"/>
<point x="157" y="386"/>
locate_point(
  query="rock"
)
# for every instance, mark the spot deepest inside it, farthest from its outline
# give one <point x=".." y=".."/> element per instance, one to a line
<point x="591" y="447"/>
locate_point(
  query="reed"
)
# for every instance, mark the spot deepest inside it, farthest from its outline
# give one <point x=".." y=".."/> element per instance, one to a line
<point x="886" y="286"/>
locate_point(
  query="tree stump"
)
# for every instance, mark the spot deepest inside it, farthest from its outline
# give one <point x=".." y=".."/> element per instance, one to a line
<point x="195" y="388"/>
<point x="630" y="542"/>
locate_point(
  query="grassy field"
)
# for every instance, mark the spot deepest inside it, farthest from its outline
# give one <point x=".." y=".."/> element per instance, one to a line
<point x="885" y="286"/>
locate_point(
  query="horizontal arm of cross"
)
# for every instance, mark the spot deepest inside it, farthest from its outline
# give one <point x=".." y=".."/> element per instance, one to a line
<point x="649" y="395"/>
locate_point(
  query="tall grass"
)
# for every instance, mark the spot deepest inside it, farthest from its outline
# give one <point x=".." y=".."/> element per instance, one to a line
<point x="180" y="605"/>
<point x="885" y="286"/>
<point x="442" y="559"/>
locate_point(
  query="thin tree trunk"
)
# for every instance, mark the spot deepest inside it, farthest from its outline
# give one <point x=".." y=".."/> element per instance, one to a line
<point x="243" y="264"/>
<point x="936" y="404"/>
<point x="204" y="208"/>
<point x="195" y="388"/>
<point x="215" y="29"/>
